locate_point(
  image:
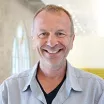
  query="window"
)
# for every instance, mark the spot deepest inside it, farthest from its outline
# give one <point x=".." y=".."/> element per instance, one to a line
<point x="20" y="55"/>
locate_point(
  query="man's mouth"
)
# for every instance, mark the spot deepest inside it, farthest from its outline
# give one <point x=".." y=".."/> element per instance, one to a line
<point x="52" y="51"/>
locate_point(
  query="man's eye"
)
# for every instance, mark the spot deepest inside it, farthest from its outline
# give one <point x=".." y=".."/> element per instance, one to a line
<point x="59" y="34"/>
<point x="43" y="35"/>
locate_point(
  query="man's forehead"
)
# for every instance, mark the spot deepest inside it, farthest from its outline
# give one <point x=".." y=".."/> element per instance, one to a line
<point x="44" y="13"/>
<point x="52" y="21"/>
<point x="48" y="17"/>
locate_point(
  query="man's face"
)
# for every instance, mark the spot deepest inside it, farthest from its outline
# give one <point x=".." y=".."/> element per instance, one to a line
<point x="52" y="37"/>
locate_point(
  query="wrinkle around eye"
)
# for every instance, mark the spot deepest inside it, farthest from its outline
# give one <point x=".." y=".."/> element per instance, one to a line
<point x="43" y="35"/>
<point x="61" y="34"/>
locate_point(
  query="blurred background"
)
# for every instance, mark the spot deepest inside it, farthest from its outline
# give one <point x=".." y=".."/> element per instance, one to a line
<point x="16" y="52"/>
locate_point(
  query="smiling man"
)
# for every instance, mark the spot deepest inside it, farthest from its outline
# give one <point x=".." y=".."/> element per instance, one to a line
<point x="52" y="80"/>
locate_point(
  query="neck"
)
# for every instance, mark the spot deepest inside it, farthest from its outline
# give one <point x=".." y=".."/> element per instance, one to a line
<point x="55" y="71"/>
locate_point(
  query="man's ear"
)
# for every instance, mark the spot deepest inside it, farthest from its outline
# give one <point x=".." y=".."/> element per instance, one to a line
<point x="32" y="37"/>
<point x="32" y="41"/>
<point x="73" y="37"/>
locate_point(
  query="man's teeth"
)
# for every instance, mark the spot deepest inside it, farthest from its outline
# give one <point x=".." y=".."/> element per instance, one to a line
<point x="52" y="51"/>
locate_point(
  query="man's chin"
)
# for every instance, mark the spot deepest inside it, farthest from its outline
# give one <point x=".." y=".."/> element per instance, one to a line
<point x="54" y="63"/>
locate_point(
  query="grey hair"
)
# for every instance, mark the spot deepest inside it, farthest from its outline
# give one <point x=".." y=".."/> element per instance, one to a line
<point x="55" y="9"/>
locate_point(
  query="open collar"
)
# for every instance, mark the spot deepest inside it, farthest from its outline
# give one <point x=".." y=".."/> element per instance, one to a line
<point x="71" y="79"/>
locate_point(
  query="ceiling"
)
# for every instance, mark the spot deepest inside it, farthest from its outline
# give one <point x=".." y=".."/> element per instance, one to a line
<point x="87" y="15"/>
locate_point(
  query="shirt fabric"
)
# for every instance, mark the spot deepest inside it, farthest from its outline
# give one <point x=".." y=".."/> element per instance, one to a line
<point x="79" y="88"/>
<point x="50" y="96"/>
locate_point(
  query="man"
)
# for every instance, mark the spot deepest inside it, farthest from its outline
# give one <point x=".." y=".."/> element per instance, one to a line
<point x="52" y="80"/>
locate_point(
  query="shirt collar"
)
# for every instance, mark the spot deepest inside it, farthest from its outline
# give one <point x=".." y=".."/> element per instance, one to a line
<point x="72" y="79"/>
<point x="31" y="76"/>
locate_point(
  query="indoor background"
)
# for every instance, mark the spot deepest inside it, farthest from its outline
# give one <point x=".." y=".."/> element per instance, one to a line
<point x="16" y="52"/>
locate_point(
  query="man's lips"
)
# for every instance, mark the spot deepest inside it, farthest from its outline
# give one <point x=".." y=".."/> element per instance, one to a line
<point x="52" y="51"/>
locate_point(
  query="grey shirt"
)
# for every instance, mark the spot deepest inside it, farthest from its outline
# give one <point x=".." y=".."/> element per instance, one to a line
<point x="79" y="88"/>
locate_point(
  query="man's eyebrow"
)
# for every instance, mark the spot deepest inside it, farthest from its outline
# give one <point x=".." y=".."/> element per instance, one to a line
<point x="61" y="30"/>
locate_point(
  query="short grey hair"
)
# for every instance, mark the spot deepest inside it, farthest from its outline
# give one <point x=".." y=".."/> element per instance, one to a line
<point x="55" y="9"/>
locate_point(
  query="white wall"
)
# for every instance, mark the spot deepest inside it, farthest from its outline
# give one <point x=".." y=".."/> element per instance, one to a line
<point x="87" y="52"/>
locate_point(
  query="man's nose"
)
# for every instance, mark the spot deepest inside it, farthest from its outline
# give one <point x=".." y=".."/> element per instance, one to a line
<point x="52" y="40"/>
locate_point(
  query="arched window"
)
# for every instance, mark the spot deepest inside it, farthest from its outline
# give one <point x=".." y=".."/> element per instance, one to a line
<point x="20" y="55"/>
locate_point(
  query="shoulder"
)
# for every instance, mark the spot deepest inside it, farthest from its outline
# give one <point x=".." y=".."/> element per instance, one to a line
<point x="15" y="80"/>
<point x="19" y="80"/>
<point x="19" y="76"/>
<point x="91" y="83"/>
<point x="84" y="76"/>
<point x="89" y="78"/>
<point x="87" y="75"/>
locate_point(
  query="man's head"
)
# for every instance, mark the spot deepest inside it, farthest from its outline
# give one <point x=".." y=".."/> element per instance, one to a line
<point x="53" y="34"/>
<point x="55" y="9"/>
